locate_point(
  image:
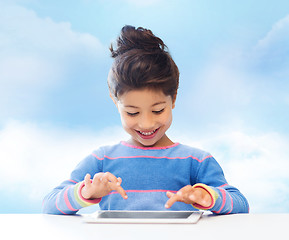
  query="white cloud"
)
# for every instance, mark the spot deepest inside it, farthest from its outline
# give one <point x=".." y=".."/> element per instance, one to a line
<point x="270" y="54"/>
<point x="239" y="84"/>
<point x="34" y="159"/>
<point x="37" y="55"/>
<point x="23" y="30"/>
<point x="220" y="92"/>
<point x="224" y="85"/>
<point x="228" y="94"/>
<point x="277" y="35"/>
<point x="258" y="165"/>
<point x="236" y="89"/>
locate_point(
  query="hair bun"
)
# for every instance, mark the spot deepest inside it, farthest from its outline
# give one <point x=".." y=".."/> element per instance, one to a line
<point x="137" y="38"/>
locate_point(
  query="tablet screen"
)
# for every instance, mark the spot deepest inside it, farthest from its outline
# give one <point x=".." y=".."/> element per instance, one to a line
<point x="143" y="214"/>
<point x="143" y="217"/>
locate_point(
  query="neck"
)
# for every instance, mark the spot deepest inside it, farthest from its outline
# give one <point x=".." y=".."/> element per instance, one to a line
<point x="163" y="142"/>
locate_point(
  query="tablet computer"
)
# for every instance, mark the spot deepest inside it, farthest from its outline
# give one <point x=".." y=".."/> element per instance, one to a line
<point x="143" y="217"/>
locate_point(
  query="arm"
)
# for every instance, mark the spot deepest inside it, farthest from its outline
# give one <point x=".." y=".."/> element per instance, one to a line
<point x="228" y="199"/>
<point x="66" y="198"/>
<point x="213" y="193"/>
<point x="81" y="191"/>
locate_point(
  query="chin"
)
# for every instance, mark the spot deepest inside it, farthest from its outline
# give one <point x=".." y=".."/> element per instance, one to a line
<point x="147" y="144"/>
<point x="142" y="143"/>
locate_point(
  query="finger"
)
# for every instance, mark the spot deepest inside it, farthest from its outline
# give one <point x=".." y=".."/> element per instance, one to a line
<point x="170" y="194"/>
<point x="109" y="177"/>
<point x="87" y="181"/>
<point x="121" y="191"/>
<point x="87" y="176"/>
<point x="115" y="183"/>
<point x="117" y="187"/>
<point x="174" y="198"/>
<point x="97" y="178"/>
<point x="87" y="184"/>
<point x="119" y="180"/>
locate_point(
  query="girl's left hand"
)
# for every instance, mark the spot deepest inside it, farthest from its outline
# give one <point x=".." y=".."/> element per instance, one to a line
<point x="190" y="195"/>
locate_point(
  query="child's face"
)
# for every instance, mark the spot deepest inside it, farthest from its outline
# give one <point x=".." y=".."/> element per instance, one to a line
<point x="146" y="115"/>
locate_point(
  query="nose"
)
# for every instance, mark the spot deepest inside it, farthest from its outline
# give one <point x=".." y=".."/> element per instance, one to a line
<point x="146" y="122"/>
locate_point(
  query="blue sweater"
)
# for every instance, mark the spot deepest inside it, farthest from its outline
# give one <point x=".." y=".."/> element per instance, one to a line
<point x="147" y="174"/>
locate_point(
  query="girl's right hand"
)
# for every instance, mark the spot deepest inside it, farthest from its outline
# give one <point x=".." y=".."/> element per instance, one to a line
<point x="101" y="185"/>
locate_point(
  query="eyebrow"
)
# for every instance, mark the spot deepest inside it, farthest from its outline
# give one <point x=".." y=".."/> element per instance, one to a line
<point x="155" y="104"/>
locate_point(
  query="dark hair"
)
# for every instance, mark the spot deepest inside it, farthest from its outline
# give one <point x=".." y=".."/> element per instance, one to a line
<point x="141" y="60"/>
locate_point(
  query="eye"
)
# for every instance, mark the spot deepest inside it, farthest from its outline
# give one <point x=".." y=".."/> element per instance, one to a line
<point x="159" y="112"/>
<point x="132" y="114"/>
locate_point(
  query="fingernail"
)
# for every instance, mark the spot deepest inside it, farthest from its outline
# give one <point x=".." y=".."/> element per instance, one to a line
<point x="166" y="206"/>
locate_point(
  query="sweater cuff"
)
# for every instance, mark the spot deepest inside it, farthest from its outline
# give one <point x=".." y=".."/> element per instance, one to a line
<point x="213" y="194"/>
<point x="80" y="199"/>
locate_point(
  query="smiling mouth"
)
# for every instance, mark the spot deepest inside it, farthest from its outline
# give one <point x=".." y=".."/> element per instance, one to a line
<point x="148" y="134"/>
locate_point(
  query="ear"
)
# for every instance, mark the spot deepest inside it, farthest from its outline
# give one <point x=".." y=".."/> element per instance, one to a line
<point x="174" y="100"/>
<point x="114" y="100"/>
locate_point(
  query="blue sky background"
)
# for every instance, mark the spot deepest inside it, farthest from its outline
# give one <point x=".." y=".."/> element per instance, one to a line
<point x="233" y="99"/>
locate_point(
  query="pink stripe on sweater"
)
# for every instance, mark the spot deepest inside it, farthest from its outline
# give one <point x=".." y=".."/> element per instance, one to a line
<point x="223" y="192"/>
<point x="67" y="201"/>
<point x="149" y="148"/>
<point x="231" y="204"/>
<point x="154" y="157"/>
<point x="226" y="184"/>
<point x="57" y="206"/>
<point x="97" y="156"/>
<point x="70" y="180"/>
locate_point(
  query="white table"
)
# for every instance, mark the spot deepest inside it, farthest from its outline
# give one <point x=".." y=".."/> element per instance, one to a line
<point x="240" y="226"/>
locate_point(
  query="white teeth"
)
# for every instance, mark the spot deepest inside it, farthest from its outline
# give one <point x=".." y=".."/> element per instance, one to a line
<point x="147" y="133"/>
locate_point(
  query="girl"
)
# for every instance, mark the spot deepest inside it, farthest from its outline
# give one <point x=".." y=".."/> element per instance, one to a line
<point x="149" y="171"/>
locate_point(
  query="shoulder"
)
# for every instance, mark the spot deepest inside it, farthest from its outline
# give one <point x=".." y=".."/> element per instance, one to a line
<point x="196" y="153"/>
<point x="102" y="151"/>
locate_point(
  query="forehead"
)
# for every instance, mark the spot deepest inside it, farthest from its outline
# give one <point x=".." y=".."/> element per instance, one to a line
<point x="143" y="97"/>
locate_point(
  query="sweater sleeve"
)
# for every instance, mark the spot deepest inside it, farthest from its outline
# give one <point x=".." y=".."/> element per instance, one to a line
<point x="226" y="198"/>
<point x="66" y="198"/>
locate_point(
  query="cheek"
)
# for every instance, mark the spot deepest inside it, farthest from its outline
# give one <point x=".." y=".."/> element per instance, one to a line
<point x="126" y="121"/>
<point x="167" y="119"/>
